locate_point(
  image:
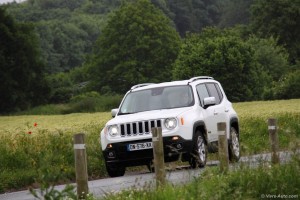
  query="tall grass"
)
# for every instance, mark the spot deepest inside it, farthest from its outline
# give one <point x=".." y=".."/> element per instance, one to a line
<point x="31" y="145"/>
<point x="253" y="124"/>
<point x="27" y="151"/>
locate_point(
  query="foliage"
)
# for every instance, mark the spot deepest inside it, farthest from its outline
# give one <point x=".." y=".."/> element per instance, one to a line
<point x="67" y="30"/>
<point x="137" y="45"/>
<point x="93" y="102"/>
<point x="47" y="191"/>
<point x="48" y="109"/>
<point x="140" y="45"/>
<point x="280" y="19"/>
<point x="64" y="44"/>
<point x="80" y="97"/>
<point x="288" y="86"/>
<point x="281" y="181"/>
<point x="21" y="68"/>
<point x="224" y="56"/>
<point x="271" y="57"/>
<point x="256" y="114"/>
<point x="273" y="61"/>
<point x="191" y="16"/>
<point x="61" y="87"/>
<point x="234" y="12"/>
<point x="81" y="103"/>
<point x="41" y="150"/>
<point x="288" y="132"/>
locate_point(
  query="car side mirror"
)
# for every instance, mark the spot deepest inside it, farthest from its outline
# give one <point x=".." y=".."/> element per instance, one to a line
<point x="114" y="112"/>
<point x="209" y="101"/>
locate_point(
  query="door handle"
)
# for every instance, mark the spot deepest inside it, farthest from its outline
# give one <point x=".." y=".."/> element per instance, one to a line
<point x="215" y="113"/>
<point x="226" y="109"/>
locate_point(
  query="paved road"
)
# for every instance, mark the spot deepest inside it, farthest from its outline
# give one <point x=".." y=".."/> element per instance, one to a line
<point x="179" y="176"/>
<point x="109" y="185"/>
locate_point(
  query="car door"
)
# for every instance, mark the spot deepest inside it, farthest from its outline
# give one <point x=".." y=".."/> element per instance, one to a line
<point x="214" y="113"/>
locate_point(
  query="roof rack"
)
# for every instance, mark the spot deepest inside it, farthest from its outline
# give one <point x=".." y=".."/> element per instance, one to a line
<point x="141" y="85"/>
<point x="199" y="78"/>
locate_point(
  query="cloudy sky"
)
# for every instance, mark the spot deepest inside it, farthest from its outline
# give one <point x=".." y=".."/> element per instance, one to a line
<point x="7" y="1"/>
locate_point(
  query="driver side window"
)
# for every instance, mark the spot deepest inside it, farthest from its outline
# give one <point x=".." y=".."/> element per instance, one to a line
<point x="202" y="93"/>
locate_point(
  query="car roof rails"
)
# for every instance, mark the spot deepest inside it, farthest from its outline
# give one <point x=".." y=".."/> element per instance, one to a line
<point x="140" y="85"/>
<point x="199" y="78"/>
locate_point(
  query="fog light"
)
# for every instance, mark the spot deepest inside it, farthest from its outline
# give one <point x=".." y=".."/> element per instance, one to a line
<point x="175" y="138"/>
<point x="109" y="146"/>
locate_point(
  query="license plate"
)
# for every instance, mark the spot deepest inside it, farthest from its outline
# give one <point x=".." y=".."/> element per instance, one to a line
<point x="139" y="146"/>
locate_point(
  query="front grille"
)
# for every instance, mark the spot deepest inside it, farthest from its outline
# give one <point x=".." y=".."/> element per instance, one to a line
<point x="139" y="128"/>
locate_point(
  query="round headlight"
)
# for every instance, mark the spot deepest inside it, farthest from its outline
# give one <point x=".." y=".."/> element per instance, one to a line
<point x="171" y="123"/>
<point x="113" y="130"/>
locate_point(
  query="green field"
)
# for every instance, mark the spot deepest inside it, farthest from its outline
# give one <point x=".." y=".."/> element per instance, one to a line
<point x="39" y="148"/>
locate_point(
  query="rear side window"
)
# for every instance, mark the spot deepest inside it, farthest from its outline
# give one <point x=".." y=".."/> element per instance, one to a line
<point x="202" y="93"/>
<point x="214" y="91"/>
<point x="219" y="91"/>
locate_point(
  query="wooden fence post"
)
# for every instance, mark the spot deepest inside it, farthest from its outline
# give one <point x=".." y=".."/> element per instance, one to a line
<point x="158" y="153"/>
<point x="223" y="147"/>
<point x="81" y="166"/>
<point x="273" y="136"/>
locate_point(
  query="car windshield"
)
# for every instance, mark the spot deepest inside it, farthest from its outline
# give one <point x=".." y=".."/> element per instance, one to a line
<point x="157" y="99"/>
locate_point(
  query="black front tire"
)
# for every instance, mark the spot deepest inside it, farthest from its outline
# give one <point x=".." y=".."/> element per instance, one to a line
<point x="150" y="166"/>
<point x="199" y="154"/>
<point x="115" y="171"/>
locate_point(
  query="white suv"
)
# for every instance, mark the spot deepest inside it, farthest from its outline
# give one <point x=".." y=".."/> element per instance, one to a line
<point x="187" y="111"/>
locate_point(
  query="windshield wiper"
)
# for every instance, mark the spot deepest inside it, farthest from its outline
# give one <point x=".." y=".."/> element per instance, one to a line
<point x="126" y="113"/>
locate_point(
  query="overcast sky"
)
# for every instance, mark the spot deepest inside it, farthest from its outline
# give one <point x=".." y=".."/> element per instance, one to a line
<point x="7" y="1"/>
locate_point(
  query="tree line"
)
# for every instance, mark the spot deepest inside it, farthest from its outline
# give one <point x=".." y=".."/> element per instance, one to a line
<point x="53" y="51"/>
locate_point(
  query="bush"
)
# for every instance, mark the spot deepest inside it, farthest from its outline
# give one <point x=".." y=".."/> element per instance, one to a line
<point x="288" y="87"/>
<point x="49" y="109"/>
<point x="61" y="95"/>
<point x="87" y="102"/>
<point x="93" y="102"/>
<point x="16" y="179"/>
<point x="83" y="96"/>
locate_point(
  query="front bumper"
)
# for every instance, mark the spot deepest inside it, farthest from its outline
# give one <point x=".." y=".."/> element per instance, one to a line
<point x="117" y="153"/>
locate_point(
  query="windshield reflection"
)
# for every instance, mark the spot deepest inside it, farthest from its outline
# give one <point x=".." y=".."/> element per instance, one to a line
<point x="157" y="99"/>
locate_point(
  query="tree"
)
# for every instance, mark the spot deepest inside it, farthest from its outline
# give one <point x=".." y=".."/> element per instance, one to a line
<point x="193" y="15"/>
<point x="279" y="18"/>
<point x="137" y="45"/>
<point x="271" y="57"/>
<point x="234" y="12"/>
<point x="67" y="30"/>
<point x="21" y="69"/>
<point x="288" y="86"/>
<point x="226" y="57"/>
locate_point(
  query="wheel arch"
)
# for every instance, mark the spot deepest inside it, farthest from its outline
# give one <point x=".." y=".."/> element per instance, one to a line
<point x="234" y="122"/>
<point x="200" y="125"/>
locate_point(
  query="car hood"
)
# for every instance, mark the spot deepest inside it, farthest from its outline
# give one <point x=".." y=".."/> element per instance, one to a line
<point x="148" y="115"/>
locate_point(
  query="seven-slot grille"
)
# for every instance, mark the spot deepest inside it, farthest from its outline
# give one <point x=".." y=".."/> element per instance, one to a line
<point x="141" y="127"/>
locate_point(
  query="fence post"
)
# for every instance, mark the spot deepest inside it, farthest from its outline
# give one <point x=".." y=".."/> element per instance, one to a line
<point x="223" y="147"/>
<point x="273" y="136"/>
<point x="158" y="153"/>
<point x="81" y="166"/>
